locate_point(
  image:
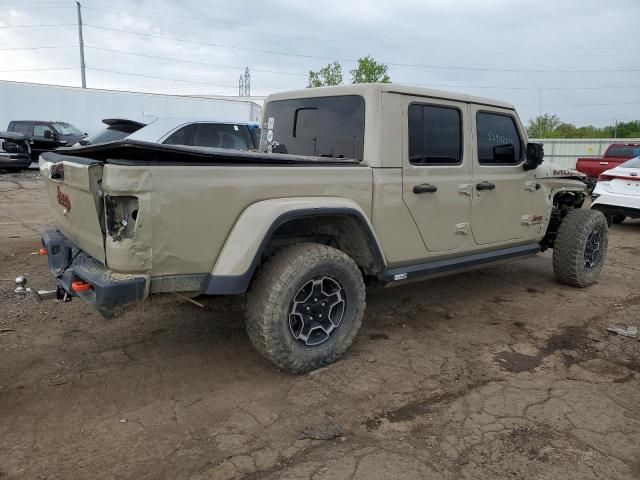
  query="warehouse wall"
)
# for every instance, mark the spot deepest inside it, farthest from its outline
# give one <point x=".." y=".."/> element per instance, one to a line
<point x="85" y="108"/>
<point x="565" y="151"/>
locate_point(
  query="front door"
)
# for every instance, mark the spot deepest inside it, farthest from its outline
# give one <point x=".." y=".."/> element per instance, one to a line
<point x="436" y="171"/>
<point x="501" y="201"/>
<point x="42" y="140"/>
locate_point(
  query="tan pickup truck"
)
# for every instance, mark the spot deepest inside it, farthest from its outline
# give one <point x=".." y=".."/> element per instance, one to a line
<point x="355" y="185"/>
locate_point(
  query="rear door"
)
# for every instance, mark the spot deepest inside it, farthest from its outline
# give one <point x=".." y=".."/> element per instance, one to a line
<point x="436" y="171"/>
<point x="501" y="187"/>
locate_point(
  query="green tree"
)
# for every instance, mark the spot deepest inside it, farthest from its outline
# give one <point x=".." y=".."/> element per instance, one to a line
<point x="370" y="71"/>
<point x="329" y="75"/>
<point x="542" y="125"/>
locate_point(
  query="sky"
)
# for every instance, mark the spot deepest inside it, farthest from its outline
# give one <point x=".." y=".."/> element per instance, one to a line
<point x="578" y="59"/>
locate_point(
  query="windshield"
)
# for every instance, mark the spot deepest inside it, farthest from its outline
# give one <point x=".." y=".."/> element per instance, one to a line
<point x="623" y="152"/>
<point x="66" y="129"/>
<point x="111" y="134"/>
<point x="321" y="126"/>
<point x="633" y="163"/>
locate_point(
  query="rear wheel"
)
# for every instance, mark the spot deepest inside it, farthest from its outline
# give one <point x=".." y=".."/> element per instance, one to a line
<point x="580" y="248"/>
<point x="617" y="218"/>
<point x="305" y="306"/>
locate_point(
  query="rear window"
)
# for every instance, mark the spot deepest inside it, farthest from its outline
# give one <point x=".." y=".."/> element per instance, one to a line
<point x="22" y="127"/>
<point x="111" y="134"/>
<point x="623" y="151"/>
<point x="320" y="126"/>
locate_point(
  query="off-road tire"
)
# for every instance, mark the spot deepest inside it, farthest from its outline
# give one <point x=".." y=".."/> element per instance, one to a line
<point x="271" y="294"/>
<point x="618" y="218"/>
<point x="570" y="244"/>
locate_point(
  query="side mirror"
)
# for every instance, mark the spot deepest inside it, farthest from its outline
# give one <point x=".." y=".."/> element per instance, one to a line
<point x="504" y="153"/>
<point x="535" y="155"/>
<point x="48" y="134"/>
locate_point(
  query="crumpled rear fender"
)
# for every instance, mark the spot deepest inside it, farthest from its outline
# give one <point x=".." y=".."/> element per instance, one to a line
<point x="251" y="233"/>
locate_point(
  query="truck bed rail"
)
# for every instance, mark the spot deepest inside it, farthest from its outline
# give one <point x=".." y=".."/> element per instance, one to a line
<point x="134" y="152"/>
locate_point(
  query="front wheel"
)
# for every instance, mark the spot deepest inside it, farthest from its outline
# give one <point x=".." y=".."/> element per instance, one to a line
<point x="580" y="247"/>
<point x="305" y="306"/>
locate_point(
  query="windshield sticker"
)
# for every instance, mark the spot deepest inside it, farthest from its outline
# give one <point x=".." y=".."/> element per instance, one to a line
<point x="270" y="136"/>
<point x="235" y="127"/>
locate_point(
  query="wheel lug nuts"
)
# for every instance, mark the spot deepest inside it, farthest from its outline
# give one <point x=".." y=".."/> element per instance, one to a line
<point x="315" y="299"/>
<point x="308" y="308"/>
<point x="320" y="315"/>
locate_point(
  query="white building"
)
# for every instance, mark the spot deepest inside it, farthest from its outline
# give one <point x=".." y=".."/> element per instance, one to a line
<point x="86" y="107"/>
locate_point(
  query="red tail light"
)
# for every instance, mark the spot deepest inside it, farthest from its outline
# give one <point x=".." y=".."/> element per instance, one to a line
<point x="605" y="178"/>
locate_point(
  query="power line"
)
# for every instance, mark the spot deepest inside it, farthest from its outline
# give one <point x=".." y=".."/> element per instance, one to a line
<point x="193" y="61"/>
<point x="436" y="67"/>
<point x="162" y="78"/>
<point x="38" y="69"/>
<point x="40" y="25"/>
<point x="493" y="87"/>
<point x="165" y="15"/>
<point x="38" y="48"/>
<point x="338" y="42"/>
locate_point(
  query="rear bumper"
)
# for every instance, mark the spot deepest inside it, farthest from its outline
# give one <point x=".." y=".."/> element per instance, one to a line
<point x="69" y="264"/>
<point x="14" y="160"/>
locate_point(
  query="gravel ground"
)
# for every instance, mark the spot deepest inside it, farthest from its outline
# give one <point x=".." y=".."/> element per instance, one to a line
<point x="498" y="373"/>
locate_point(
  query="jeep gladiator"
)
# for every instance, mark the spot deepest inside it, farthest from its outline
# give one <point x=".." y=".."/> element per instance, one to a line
<point x="354" y="185"/>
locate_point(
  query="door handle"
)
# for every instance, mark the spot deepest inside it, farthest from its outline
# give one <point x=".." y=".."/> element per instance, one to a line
<point x="485" y="186"/>
<point x="425" y="188"/>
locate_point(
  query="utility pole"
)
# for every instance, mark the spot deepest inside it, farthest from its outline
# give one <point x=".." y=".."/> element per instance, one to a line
<point x="247" y="83"/>
<point x="615" y="132"/>
<point x="84" y="78"/>
<point x="241" y="86"/>
<point x="540" y="112"/>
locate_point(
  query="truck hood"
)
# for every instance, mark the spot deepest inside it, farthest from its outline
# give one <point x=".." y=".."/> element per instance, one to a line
<point x="551" y="170"/>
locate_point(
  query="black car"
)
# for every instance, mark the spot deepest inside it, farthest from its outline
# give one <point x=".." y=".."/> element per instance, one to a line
<point x="15" y="153"/>
<point x="45" y="136"/>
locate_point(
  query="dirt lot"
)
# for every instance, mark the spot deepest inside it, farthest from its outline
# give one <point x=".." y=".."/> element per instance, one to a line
<point x="500" y="373"/>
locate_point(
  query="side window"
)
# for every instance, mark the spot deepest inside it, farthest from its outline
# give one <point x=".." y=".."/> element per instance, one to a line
<point x="435" y="135"/>
<point x="498" y="139"/>
<point x="21" y="127"/>
<point x="180" y="136"/>
<point x="39" y="130"/>
<point x="220" y="135"/>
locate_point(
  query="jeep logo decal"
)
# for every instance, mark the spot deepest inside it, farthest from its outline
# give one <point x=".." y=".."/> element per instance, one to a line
<point x="64" y="199"/>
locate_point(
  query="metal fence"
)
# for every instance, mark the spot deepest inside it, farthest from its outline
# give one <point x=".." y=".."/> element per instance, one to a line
<point x="565" y="151"/>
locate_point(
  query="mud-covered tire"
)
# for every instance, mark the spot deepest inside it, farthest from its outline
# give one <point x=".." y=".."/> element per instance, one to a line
<point x="271" y="297"/>
<point x="576" y="231"/>
<point x="618" y="218"/>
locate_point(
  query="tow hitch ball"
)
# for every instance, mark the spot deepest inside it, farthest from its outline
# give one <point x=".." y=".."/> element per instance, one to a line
<point x="40" y="295"/>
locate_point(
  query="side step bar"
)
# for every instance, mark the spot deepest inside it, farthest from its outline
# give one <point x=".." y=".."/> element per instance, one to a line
<point x="450" y="265"/>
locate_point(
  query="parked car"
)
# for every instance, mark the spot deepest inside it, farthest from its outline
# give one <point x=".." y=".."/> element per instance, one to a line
<point x="117" y="129"/>
<point x="616" y="154"/>
<point x="617" y="193"/>
<point x="382" y="184"/>
<point x="200" y="133"/>
<point x="45" y="136"/>
<point x="15" y="153"/>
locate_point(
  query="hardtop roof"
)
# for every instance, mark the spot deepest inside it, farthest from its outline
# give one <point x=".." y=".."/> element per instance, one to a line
<point x="369" y="88"/>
